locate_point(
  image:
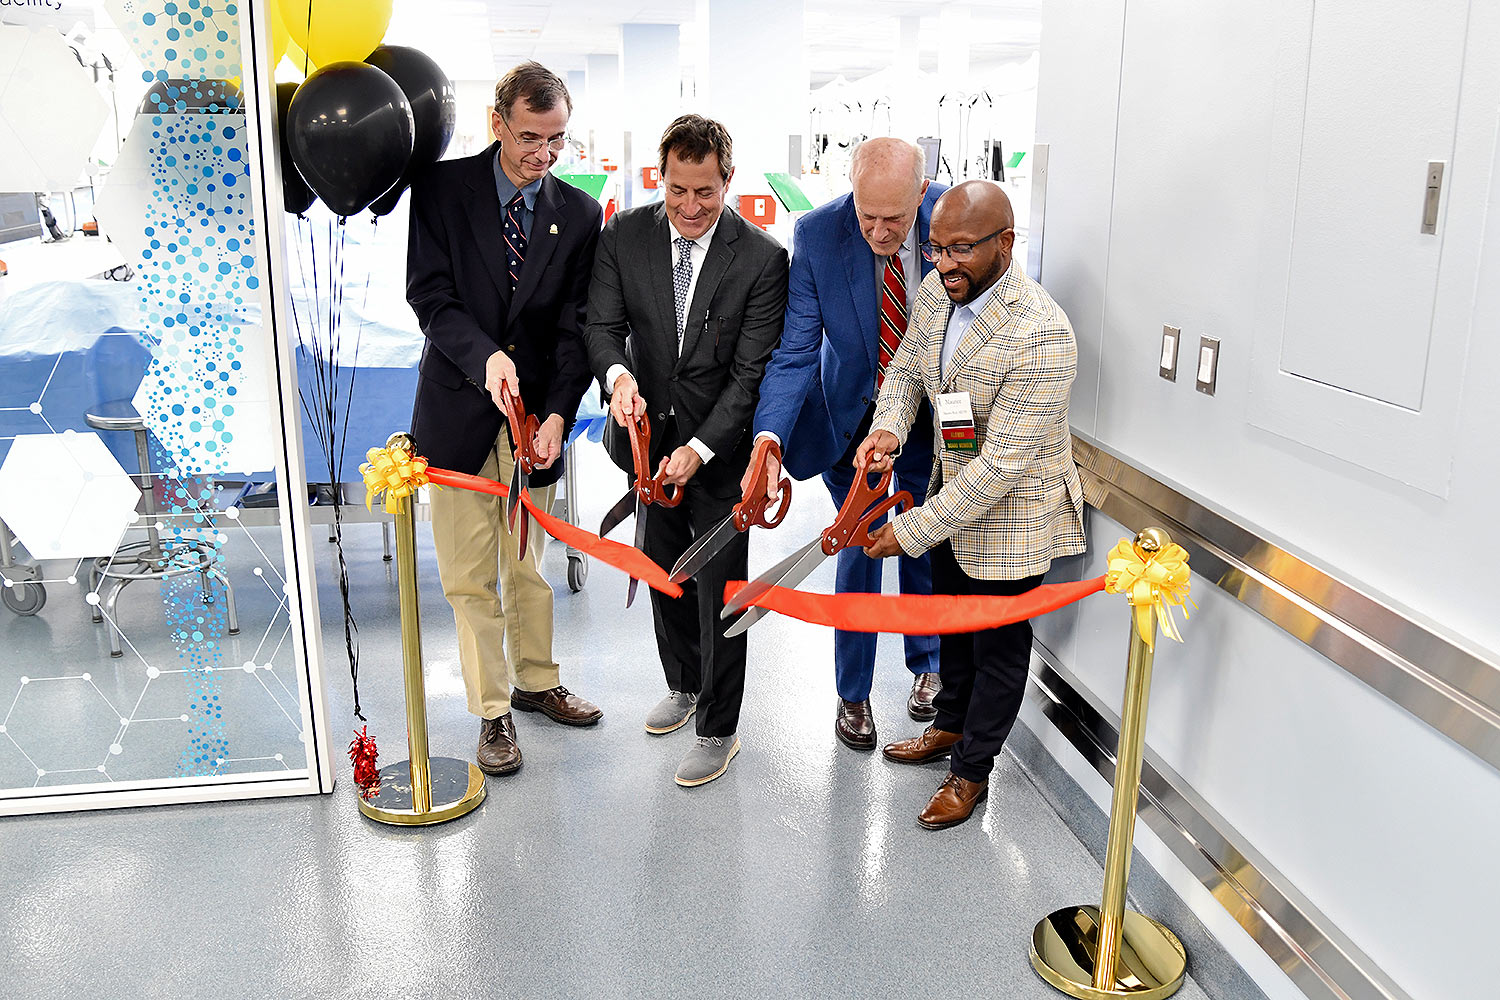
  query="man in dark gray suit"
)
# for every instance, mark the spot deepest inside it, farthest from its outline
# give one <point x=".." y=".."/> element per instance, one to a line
<point x="684" y="311"/>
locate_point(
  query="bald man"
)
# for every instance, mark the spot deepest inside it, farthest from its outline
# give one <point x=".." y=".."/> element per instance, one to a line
<point x="855" y="272"/>
<point x="994" y="356"/>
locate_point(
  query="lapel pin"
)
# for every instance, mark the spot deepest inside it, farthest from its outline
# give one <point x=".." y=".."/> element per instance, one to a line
<point x="553" y="230"/>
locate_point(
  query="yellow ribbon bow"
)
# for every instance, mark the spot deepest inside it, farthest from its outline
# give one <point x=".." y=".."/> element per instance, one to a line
<point x="1153" y="585"/>
<point x="395" y="473"/>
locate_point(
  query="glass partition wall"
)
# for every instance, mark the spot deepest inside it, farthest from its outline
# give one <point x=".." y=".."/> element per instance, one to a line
<point x="158" y="637"/>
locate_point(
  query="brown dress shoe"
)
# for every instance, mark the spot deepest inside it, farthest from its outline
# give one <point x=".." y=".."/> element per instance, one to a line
<point x="924" y="687"/>
<point x="933" y="744"/>
<point x="854" y="725"/>
<point x="558" y="704"/>
<point x="498" y="752"/>
<point x="953" y="802"/>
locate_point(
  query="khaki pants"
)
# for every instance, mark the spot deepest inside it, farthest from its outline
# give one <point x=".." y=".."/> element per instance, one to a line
<point x="501" y="605"/>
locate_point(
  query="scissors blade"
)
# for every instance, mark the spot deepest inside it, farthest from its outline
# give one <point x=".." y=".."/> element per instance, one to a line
<point x="704" y="549"/>
<point x="640" y="543"/>
<point x="812" y="556"/>
<point x="788" y="573"/>
<point x="513" y="501"/>
<point x="617" y="514"/>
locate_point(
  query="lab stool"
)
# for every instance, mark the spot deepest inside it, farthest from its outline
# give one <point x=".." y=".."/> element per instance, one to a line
<point x="147" y="560"/>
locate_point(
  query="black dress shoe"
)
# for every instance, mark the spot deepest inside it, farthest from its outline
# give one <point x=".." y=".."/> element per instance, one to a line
<point x="498" y="752"/>
<point x="854" y="725"/>
<point x="924" y="687"/>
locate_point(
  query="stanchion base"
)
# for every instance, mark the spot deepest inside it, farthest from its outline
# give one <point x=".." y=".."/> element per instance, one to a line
<point x="457" y="787"/>
<point x="1150" y="965"/>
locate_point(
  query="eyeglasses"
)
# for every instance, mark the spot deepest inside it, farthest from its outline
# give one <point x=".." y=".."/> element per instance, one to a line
<point x="956" y="251"/>
<point x="532" y="145"/>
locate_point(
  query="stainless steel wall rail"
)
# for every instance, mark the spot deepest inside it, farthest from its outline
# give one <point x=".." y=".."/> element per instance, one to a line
<point x="1442" y="679"/>
<point x="1315" y="954"/>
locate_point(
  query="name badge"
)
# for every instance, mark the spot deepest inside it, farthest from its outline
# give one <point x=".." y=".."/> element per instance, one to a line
<point x="955" y="413"/>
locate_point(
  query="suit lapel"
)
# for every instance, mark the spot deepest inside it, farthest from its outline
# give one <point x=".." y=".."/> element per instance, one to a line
<point x="924" y="225"/>
<point x="715" y="266"/>
<point x="935" y="345"/>
<point x="484" y="220"/>
<point x="547" y="226"/>
<point x="859" y="260"/>
<point x="659" y="255"/>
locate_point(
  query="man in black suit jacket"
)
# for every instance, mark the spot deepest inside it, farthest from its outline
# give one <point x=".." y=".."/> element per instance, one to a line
<point x="685" y="309"/>
<point x="497" y="271"/>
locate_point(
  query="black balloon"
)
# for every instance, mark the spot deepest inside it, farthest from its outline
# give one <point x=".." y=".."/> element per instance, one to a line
<point x="294" y="190"/>
<point x="433" y="109"/>
<point x="350" y="133"/>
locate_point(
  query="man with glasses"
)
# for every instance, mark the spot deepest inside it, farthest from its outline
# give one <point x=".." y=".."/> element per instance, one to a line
<point x="855" y="273"/>
<point x="498" y="263"/>
<point x="995" y="356"/>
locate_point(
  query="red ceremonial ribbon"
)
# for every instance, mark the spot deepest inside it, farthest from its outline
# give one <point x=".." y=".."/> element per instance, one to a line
<point x="623" y="557"/>
<point x="918" y="614"/>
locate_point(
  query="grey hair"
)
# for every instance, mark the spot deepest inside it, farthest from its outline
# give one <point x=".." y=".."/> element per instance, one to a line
<point x="871" y="147"/>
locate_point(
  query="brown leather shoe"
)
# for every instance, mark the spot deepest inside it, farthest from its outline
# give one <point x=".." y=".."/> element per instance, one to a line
<point x="953" y="802"/>
<point x="498" y="752"/>
<point x="854" y="725"/>
<point x="558" y="704"/>
<point x="933" y="744"/>
<point x="924" y="687"/>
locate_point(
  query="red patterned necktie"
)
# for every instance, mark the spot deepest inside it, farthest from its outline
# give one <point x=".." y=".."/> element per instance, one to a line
<point x="892" y="315"/>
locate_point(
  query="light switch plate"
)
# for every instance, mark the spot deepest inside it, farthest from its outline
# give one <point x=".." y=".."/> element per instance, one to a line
<point x="1208" y="364"/>
<point x="1171" y="337"/>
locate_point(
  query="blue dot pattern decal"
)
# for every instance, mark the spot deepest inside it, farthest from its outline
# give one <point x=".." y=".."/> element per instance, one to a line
<point x="198" y="296"/>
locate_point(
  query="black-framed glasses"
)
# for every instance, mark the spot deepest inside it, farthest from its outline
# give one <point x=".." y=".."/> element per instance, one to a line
<point x="532" y="145"/>
<point x="956" y="251"/>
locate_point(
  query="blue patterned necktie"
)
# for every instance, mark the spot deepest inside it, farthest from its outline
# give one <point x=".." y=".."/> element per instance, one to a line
<point x="682" y="277"/>
<point x="515" y="239"/>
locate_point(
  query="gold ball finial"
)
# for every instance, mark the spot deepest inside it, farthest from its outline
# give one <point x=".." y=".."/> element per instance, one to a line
<point x="1152" y="540"/>
<point x="402" y="440"/>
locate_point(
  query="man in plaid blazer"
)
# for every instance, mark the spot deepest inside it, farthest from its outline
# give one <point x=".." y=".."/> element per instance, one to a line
<point x="996" y="357"/>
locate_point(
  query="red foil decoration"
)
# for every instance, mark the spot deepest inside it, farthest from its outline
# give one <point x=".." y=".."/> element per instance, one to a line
<point x="363" y="754"/>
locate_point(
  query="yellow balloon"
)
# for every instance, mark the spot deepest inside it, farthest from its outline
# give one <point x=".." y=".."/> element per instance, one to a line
<point x="279" y="37"/>
<point x="335" y="30"/>
<point x="298" y="59"/>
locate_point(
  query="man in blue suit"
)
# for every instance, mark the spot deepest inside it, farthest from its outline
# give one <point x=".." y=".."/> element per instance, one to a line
<point x="854" y="276"/>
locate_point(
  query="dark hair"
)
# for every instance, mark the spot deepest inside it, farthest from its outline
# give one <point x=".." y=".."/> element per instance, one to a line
<point x="692" y="138"/>
<point x="539" y="86"/>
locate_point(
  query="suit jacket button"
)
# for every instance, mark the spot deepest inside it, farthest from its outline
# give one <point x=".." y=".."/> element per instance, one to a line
<point x="865" y="400"/>
<point x="661" y="416"/>
<point x="674" y="378"/>
<point x="510" y="347"/>
<point x="847" y="436"/>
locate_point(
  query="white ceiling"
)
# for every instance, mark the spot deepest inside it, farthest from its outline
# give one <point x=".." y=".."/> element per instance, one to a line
<point x="478" y="39"/>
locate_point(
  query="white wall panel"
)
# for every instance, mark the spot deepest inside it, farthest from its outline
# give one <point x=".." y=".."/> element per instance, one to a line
<point x="1183" y="210"/>
<point x="1076" y="113"/>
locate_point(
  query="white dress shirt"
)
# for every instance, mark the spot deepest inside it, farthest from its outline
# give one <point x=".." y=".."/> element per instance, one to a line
<point x="697" y="253"/>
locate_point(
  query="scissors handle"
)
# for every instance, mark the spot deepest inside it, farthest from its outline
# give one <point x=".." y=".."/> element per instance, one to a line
<point x="753" y="506"/>
<point x="648" y="487"/>
<point x="852" y="526"/>
<point x="523" y="428"/>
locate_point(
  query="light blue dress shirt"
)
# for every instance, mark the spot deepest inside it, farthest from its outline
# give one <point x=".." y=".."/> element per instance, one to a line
<point x="507" y="190"/>
<point x="959" y="322"/>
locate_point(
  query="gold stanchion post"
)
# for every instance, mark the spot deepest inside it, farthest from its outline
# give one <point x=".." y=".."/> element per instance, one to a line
<point x="1098" y="952"/>
<point x="421" y="790"/>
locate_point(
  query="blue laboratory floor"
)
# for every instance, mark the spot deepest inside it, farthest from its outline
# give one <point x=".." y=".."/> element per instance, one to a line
<point x="801" y="873"/>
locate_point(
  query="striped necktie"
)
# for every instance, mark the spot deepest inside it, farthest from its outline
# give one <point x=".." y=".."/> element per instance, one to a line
<point x="892" y="315"/>
<point x="515" y="239"/>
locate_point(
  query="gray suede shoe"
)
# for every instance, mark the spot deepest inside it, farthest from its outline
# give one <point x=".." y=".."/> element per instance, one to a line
<point x="671" y="712"/>
<point x="708" y="759"/>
